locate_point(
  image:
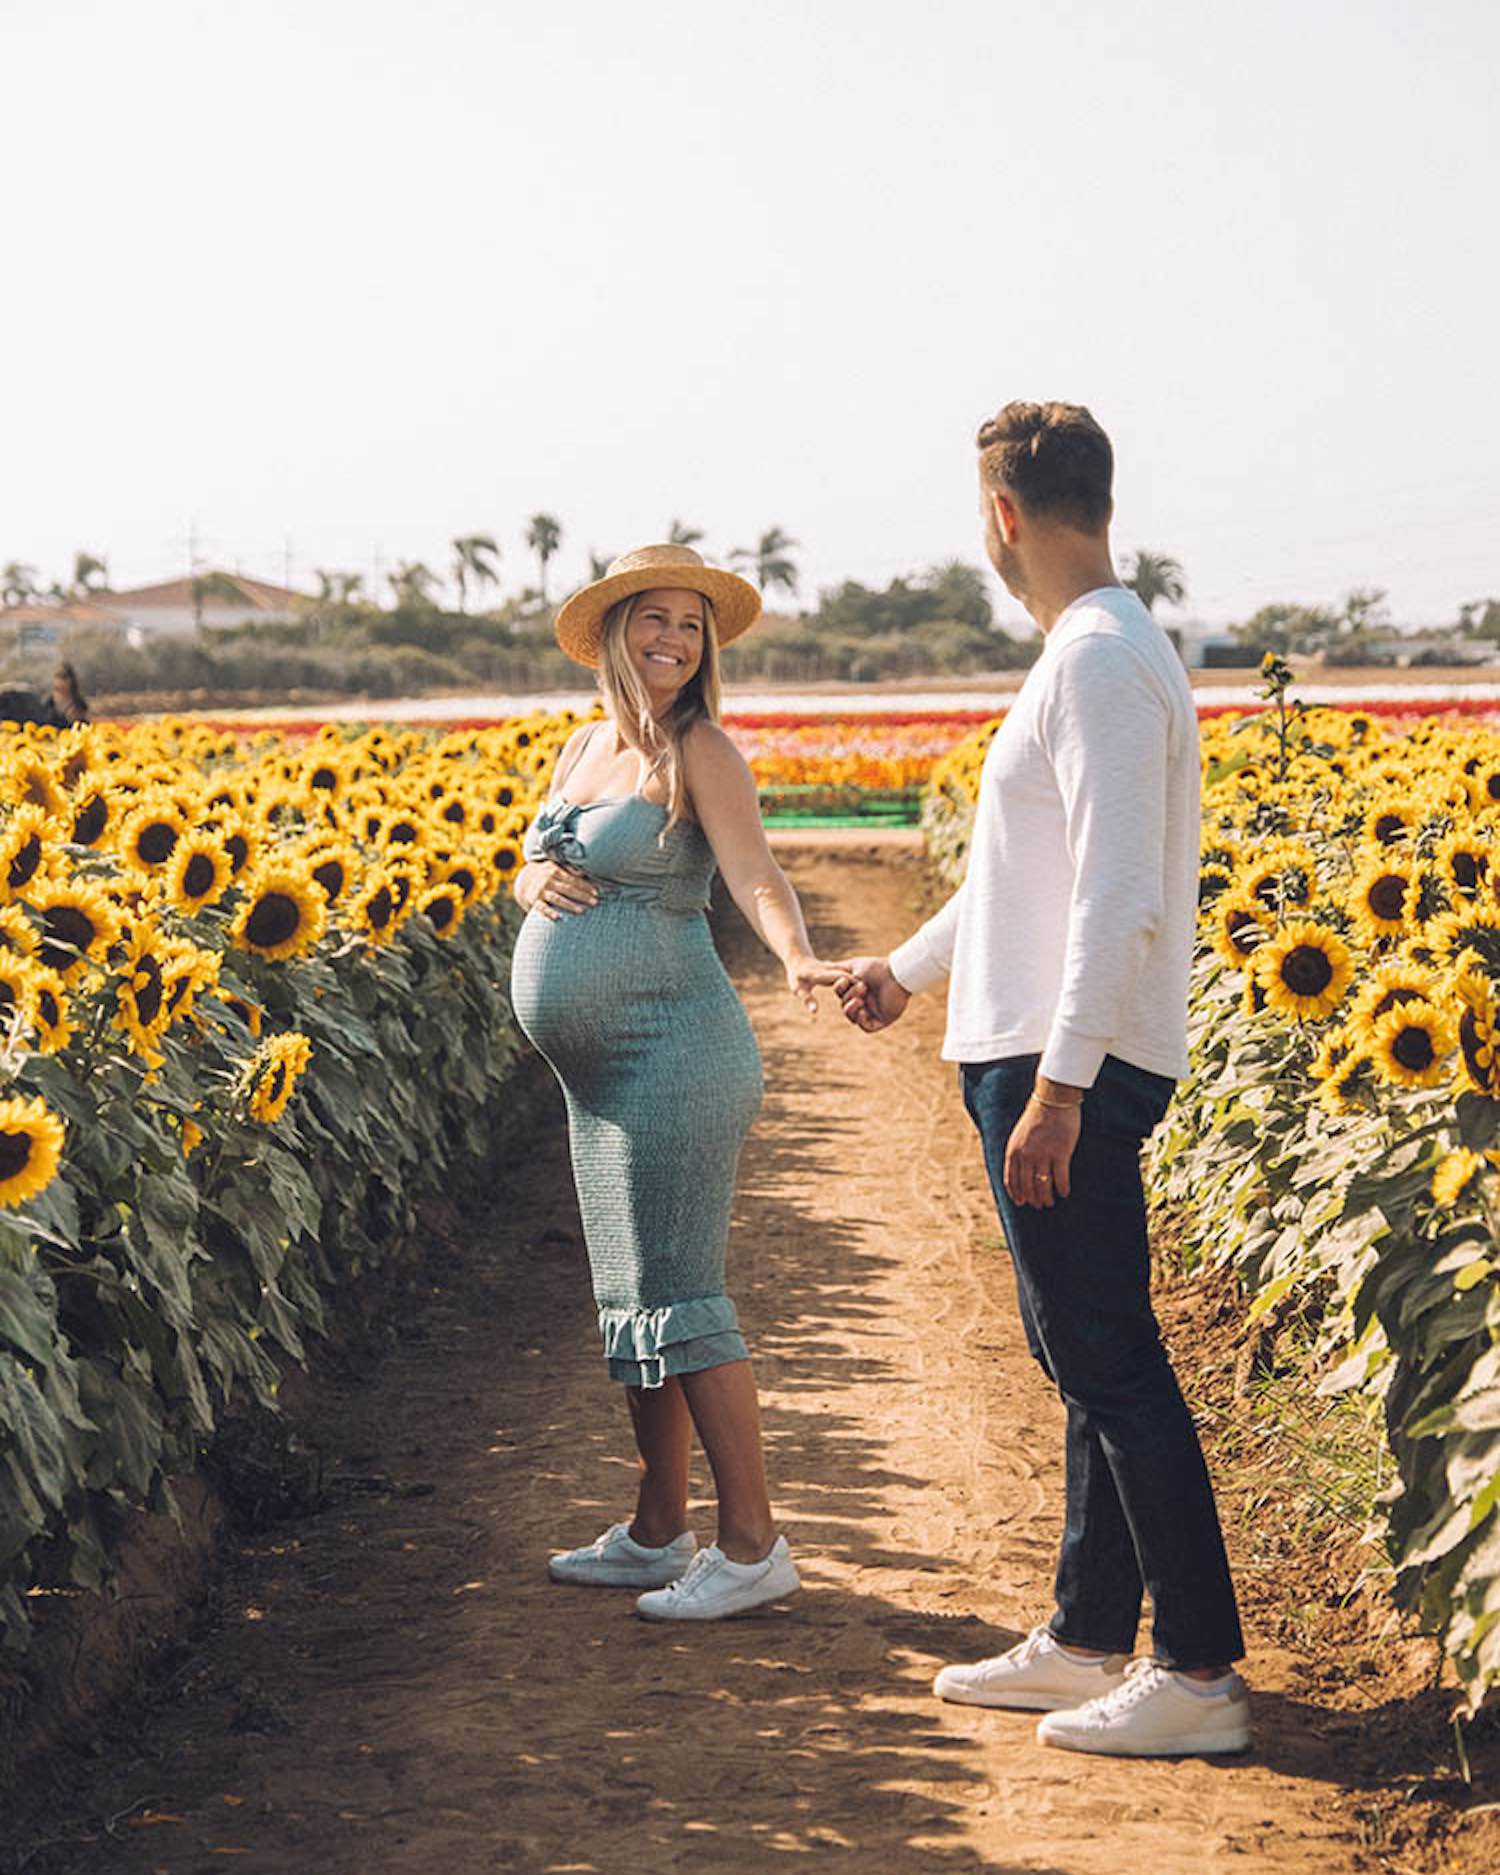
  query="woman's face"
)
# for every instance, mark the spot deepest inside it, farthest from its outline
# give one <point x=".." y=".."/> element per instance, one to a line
<point x="664" y="640"/>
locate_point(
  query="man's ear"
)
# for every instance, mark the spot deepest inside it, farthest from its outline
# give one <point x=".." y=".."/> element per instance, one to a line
<point x="1006" y="517"/>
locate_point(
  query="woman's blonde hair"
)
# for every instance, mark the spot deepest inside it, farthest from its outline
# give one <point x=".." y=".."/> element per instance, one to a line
<point x="660" y="743"/>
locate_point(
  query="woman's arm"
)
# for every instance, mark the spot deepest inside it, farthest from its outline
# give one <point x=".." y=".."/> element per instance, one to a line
<point x="723" y="794"/>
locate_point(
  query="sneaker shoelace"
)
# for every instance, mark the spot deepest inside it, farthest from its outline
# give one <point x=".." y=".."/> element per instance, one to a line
<point x="1142" y="1677"/>
<point x="704" y="1563"/>
<point x="1022" y="1654"/>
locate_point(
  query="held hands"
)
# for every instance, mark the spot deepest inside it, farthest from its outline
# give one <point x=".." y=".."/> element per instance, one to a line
<point x="805" y="975"/>
<point x="871" y="997"/>
<point x="555" y="889"/>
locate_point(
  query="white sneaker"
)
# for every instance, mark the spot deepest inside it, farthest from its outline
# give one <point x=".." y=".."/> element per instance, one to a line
<point x="1033" y="1676"/>
<point x="1152" y="1714"/>
<point x="713" y="1586"/>
<point x="616" y="1560"/>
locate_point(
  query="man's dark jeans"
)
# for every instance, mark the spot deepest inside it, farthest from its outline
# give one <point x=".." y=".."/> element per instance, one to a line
<point x="1140" y="1510"/>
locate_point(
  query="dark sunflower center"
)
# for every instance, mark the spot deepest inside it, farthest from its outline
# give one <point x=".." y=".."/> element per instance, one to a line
<point x="505" y="859"/>
<point x="402" y="833"/>
<point x="1386" y="898"/>
<point x="1393" y="999"/>
<point x="324" y="778"/>
<point x="155" y="842"/>
<point x="330" y="875"/>
<point x="65" y="929"/>
<point x="463" y="878"/>
<point x="178" y="989"/>
<point x="50" y="1008"/>
<point x="1389" y="827"/>
<point x="1492" y="785"/>
<point x="15" y="1154"/>
<point x="506" y="796"/>
<point x="148" y="995"/>
<point x="1306" y="970"/>
<point x="238" y="849"/>
<point x="454" y="812"/>
<point x="401" y="886"/>
<point x="274" y="919"/>
<point x="441" y="911"/>
<point x="1413" y="1049"/>
<point x="1244" y="931"/>
<point x="198" y="875"/>
<point x="276" y="1081"/>
<point x="1466" y="870"/>
<point x="1471" y="1038"/>
<point x="28" y="858"/>
<point x="381" y="908"/>
<point x="89" y="822"/>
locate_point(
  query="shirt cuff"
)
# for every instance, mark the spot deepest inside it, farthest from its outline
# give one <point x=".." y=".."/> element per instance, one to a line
<point x="1075" y="1060"/>
<point x="914" y="968"/>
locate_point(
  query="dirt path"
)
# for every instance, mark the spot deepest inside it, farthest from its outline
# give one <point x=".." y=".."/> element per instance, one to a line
<point x="394" y="1687"/>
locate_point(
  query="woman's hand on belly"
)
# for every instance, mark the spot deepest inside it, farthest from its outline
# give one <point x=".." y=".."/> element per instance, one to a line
<point x="554" y="889"/>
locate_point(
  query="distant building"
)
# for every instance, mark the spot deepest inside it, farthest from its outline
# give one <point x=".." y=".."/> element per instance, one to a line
<point x="213" y="599"/>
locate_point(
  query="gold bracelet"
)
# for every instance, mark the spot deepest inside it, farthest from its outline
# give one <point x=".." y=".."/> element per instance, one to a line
<point x="1059" y="1106"/>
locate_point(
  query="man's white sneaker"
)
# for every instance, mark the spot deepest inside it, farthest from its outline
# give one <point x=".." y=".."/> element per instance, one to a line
<point x="1152" y="1714"/>
<point x="615" y="1560"/>
<point x="714" y="1587"/>
<point x="1034" y="1676"/>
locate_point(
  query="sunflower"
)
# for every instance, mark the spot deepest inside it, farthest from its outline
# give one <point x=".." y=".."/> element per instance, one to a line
<point x="1237" y="925"/>
<point x="334" y="865"/>
<point x="1346" y="1083"/>
<point x="91" y="818"/>
<point x="444" y="906"/>
<point x="1473" y="928"/>
<point x="284" y="914"/>
<point x="17" y="932"/>
<point x="1477" y="1024"/>
<point x="53" y="1030"/>
<point x="151" y="833"/>
<point x="78" y="924"/>
<point x="470" y="876"/>
<point x="1390" y="984"/>
<point x="505" y="860"/>
<point x="1453" y="1173"/>
<point x="1284" y="876"/>
<point x="31" y="1143"/>
<point x="1381" y="899"/>
<point x="140" y="998"/>
<point x="31" y="780"/>
<point x="199" y="872"/>
<point x="1390" y="819"/>
<point x="251" y="1014"/>
<point x="1304" y="970"/>
<point x="1408" y="1044"/>
<point x="274" y="1071"/>
<point x="18" y="991"/>
<point x="374" y="910"/>
<point x="190" y="972"/>
<point x="23" y="850"/>
<point x="241" y="841"/>
<point x="192" y="1137"/>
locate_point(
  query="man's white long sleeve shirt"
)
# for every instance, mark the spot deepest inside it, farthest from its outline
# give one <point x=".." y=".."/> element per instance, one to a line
<point x="1072" y="934"/>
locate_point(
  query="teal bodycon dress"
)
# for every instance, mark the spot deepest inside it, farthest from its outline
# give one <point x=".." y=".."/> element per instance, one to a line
<point x="659" y="1066"/>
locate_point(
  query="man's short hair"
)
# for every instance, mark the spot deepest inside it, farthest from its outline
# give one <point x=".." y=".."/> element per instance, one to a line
<point x="1054" y="459"/>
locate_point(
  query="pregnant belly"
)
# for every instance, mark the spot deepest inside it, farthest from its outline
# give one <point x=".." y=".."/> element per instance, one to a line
<point x="600" y="993"/>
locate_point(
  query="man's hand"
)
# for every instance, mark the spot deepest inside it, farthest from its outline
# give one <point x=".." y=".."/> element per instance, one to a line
<point x="871" y="997"/>
<point x="1040" y="1153"/>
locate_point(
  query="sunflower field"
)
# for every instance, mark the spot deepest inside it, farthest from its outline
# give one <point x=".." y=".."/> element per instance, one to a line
<point x="1337" y="1142"/>
<point x="252" y="1011"/>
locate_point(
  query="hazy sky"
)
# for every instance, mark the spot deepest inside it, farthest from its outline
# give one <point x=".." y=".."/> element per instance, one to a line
<point x="363" y="274"/>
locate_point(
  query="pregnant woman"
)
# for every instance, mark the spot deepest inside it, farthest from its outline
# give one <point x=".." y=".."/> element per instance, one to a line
<point x="616" y="981"/>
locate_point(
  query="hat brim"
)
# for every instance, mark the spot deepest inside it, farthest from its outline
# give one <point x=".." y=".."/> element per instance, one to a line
<point x="580" y="620"/>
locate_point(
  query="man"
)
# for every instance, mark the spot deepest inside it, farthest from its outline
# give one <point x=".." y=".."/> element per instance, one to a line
<point x="1067" y="949"/>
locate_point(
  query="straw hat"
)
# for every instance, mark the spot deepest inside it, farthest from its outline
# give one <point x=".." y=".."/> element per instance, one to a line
<point x="580" y="623"/>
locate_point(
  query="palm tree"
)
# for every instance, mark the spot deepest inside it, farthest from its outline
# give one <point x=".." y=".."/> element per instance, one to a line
<point x="473" y="557"/>
<point x="1152" y="576"/>
<point x="679" y="534"/>
<point x="770" y="561"/>
<point x="17" y="583"/>
<point x="544" y="537"/>
<point x="599" y="564"/>
<point x="338" y="589"/>
<point x="86" y="568"/>
<point x="412" y="583"/>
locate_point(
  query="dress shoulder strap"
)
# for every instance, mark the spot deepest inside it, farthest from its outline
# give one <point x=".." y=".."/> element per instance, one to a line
<point x="564" y="769"/>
